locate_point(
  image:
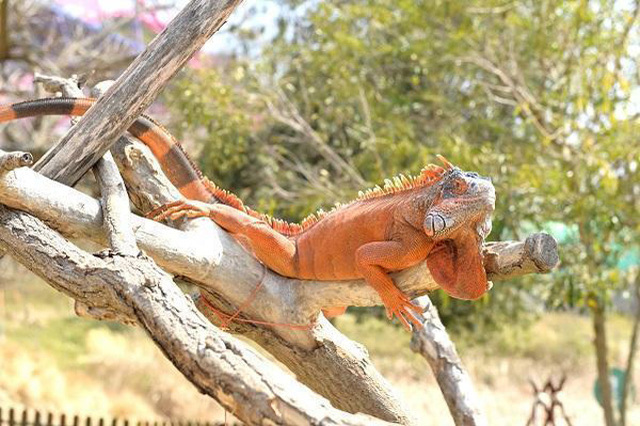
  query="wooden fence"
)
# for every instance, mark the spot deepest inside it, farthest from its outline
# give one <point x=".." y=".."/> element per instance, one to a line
<point x="27" y="417"/>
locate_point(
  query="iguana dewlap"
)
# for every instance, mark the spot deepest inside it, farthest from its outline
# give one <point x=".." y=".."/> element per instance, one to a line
<point x="441" y="216"/>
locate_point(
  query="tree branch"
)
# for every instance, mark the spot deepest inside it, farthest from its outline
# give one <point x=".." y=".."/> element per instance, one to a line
<point x="241" y="380"/>
<point x="434" y="344"/>
<point x="116" y="212"/>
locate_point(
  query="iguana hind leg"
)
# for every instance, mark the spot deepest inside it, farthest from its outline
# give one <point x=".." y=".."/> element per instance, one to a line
<point x="273" y="249"/>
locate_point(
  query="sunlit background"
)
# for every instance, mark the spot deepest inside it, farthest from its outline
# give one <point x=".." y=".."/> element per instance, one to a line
<point x="542" y="96"/>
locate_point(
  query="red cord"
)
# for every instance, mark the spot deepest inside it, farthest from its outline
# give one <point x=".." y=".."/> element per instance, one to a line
<point x="226" y="319"/>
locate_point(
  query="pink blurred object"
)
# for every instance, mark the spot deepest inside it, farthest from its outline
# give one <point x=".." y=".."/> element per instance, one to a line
<point x="96" y="11"/>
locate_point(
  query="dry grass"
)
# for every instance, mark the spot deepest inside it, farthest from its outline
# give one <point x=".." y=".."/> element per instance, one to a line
<point x="51" y="360"/>
<point x="555" y="344"/>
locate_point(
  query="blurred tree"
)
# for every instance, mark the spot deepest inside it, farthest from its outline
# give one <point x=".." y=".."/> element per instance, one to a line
<point x="539" y="95"/>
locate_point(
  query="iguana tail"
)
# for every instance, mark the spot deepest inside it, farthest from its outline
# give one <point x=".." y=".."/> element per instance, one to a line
<point x="184" y="173"/>
<point x="175" y="162"/>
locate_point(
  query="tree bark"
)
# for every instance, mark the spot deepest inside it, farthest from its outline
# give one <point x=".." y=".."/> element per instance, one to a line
<point x="434" y="344"/>
<point x="633" y="347"/>
<point x="600" y="342"/>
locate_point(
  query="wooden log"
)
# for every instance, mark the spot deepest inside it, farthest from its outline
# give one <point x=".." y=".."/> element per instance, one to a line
<point x="216" y="363"/>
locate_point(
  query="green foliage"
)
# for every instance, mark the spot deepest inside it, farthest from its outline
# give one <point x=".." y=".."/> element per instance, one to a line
<point x="535" y="94"/>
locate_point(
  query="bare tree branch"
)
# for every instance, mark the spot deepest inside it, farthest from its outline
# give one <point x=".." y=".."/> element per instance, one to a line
<point x="116" y="212"/>
<point x="238" y="378"/>
<point x="434" y="344"/>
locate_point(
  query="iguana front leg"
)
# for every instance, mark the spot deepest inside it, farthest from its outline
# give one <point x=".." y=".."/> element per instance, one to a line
<point x="373" y="260"/>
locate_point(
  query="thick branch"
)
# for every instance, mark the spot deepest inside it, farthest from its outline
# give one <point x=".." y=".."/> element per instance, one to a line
<point x="134" y="90"/>
<point x="538" y="254"/>
<point x="434" y="344"/>
<point x="237" y="377"/>
<point x="337" y="368"/>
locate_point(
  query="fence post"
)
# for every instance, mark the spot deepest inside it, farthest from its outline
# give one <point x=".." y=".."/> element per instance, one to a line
<point x="25" y="417"/>
<point x="13" y="417"/>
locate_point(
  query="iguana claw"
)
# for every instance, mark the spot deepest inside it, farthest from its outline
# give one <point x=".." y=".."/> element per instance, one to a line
<point x="179" y="209"/>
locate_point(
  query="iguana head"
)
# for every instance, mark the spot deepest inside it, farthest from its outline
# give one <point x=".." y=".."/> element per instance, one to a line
<point x="459" y="219"/>
<point x="463" y="199"/>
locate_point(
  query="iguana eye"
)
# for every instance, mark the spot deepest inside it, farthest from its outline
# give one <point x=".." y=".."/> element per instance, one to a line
<point x="460" y="186"/>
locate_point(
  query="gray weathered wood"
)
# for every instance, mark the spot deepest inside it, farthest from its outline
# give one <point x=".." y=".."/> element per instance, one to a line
<point x="538" y="254"/>
<point x="434" y="344"/>
<point x="134" y="90"/>
<point x="336" y="367"/>
<point x="240" y="379"/>
<point x="116" y="212"/>
<point x="54" y="84"/>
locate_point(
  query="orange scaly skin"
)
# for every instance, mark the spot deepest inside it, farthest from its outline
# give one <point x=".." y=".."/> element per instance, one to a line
<point x="441" y="216"/>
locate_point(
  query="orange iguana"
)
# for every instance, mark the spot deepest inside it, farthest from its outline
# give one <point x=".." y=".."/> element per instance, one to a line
<point x="441" y="216"/>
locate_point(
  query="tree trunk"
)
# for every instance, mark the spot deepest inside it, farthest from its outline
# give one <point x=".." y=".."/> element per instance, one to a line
<point x="600" y="342"/>
<point x="633" y="346"/>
